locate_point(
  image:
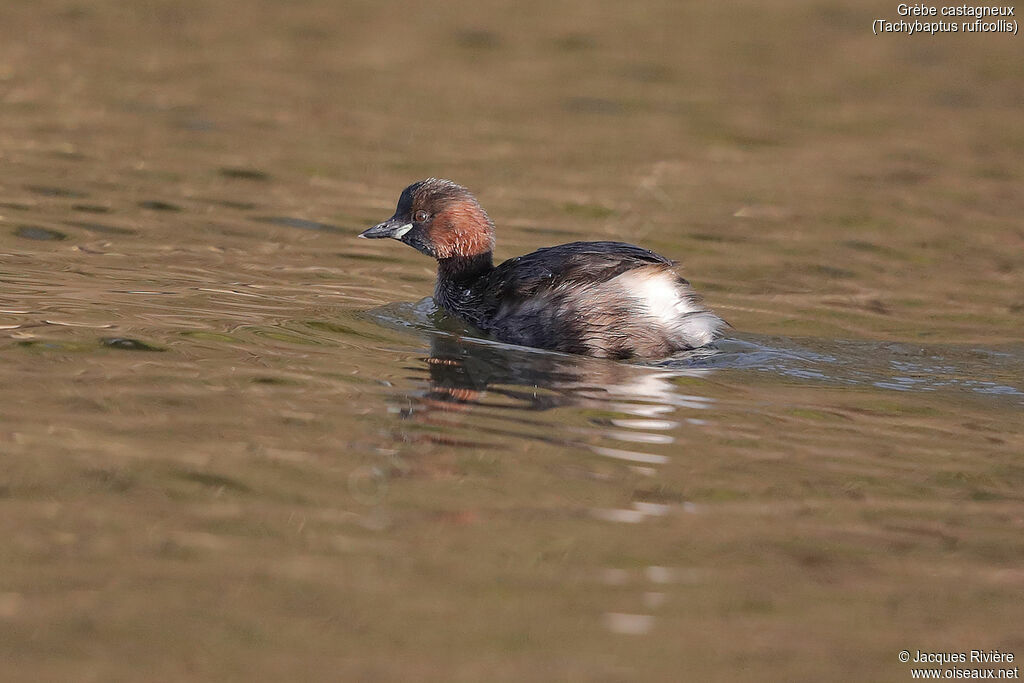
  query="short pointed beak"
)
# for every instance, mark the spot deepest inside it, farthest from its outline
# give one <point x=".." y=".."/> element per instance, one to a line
<point x="393" y="227"/>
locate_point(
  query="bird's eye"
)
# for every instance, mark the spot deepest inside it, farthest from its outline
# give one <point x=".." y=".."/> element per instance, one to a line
<point x="420" y="216"/>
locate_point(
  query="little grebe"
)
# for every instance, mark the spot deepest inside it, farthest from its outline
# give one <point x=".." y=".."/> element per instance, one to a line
<point x="603" y="299"/>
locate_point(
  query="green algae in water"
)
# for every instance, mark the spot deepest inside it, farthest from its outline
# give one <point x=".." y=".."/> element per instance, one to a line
<point x="34" y="232"/>
<point x="128" y="344"/>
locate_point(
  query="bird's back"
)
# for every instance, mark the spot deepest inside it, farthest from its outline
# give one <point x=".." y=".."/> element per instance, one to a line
<point x="606" y="299"/>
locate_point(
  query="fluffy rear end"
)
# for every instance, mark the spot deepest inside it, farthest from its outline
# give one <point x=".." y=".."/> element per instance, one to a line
<point x="672" y="305"/>
<point x="647" y="312"/>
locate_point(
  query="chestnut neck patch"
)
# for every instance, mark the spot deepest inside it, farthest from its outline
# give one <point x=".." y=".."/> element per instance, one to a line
<point x="461" y="229"/>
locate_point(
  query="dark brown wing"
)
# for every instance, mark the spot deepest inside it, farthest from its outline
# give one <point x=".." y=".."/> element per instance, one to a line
<point x="589" y="262"/>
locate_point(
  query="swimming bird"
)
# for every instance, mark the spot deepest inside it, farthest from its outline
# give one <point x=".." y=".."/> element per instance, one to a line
<point x="602" y="299"/>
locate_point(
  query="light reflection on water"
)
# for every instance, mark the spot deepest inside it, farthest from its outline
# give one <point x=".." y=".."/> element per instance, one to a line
<point x="643" y="406"/>
<point x="895" y="366"/>
<point x="636" y="408"/>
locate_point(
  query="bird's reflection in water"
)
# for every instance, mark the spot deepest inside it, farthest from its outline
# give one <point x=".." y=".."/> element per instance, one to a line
<point x="630" y="420"/>
<point x="480" y="394"/>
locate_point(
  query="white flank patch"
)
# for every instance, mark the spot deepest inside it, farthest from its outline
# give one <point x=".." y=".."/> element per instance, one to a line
<point x="400" y="232"/>
<point x="659" y="292"/>
<point x="665" y="300"/>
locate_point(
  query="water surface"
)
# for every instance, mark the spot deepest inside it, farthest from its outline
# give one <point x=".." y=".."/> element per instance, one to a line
<point x="240" y="443"/>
